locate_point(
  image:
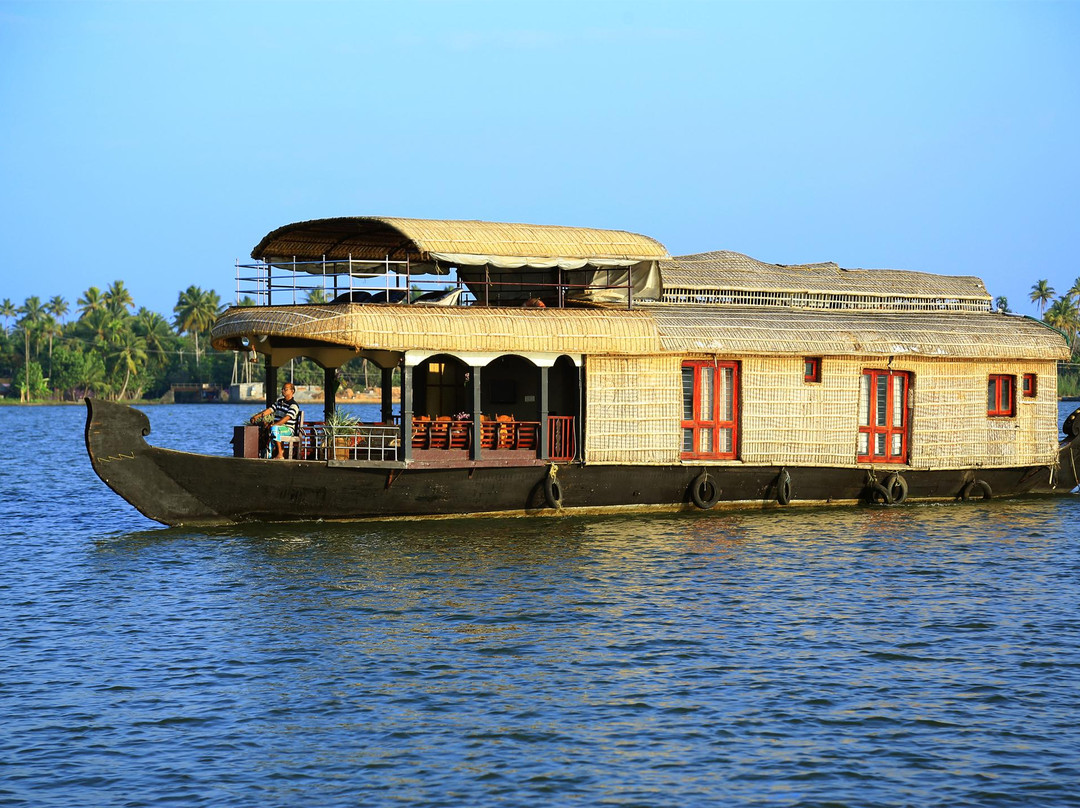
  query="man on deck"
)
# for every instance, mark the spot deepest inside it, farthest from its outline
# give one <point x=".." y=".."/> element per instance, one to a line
<point x="285" y="412"/>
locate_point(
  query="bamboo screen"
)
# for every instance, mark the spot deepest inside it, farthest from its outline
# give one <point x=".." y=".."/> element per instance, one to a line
<point x="950" y="426"/>
<point x="633" y="410"/>
<point x="788" y="421"/>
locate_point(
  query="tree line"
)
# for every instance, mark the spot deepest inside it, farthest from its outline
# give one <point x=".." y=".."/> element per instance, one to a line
<point x="110" y="349"/>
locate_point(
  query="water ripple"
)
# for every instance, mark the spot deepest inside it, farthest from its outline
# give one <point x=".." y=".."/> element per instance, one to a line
<point x="923" y="655"/>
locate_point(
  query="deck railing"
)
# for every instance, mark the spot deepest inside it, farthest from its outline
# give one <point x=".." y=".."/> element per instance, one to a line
<point x="346" y="280"/>
<point x="369" y="442"/>
<point x="562" y="443"/>
<point x="382" y="442"/>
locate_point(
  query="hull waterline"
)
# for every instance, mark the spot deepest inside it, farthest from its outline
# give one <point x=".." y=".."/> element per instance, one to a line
<point x="182" y="488"/>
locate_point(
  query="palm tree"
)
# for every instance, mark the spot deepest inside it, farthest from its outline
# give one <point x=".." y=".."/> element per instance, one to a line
<point x="57" y="306"/>
<point x="117" y="298"/>
<point x="50" y="327"/>
<point x="1001" y="304"/>
<point x="1074" y="290"/>
<point x="32" y="312"/>
<point x="129" y="353"/>
<point x="1041" y="294"/>
<point x="156" y="332"/>
<point x="7" y="311"/>
<point x="317" y="296"/>
<point x="91" y="301"/>
<point x="196" y="310"/>
<point x="1064" y="316"/>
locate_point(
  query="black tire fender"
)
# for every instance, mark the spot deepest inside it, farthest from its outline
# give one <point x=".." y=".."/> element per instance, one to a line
<point x="1071" y="427"/>
<point x="783" y="487"/>
<point x="977" y="487"/>
<point x="877" y="493"/>
<point x="704" y="491"/>
<point x="553" y="492"/>
<point x="897" y="487"/>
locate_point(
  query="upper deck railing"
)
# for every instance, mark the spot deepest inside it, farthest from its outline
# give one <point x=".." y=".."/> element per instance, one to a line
<point x="389" y="281"/>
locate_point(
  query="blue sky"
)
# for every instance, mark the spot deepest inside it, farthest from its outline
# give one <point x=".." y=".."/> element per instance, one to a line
<point x="158" y="142"/>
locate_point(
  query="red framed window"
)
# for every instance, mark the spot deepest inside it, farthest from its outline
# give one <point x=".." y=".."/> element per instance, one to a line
<point x="883" y="416"/>
<point x="710" y="410"/>
<point x="1031" y="385"/>
<point x="812" y="369"/>
<point x="1001" y="395"/>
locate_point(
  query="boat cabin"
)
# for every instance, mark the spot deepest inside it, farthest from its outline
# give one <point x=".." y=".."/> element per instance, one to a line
<point x="514" y="344"/>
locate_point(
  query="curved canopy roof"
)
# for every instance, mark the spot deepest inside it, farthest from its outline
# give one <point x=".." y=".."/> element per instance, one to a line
<point x="377" y="238"/>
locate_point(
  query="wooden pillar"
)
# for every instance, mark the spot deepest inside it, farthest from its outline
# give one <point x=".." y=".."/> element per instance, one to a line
<point x="406" y="412"/>
<point x="329" y="392"/>
<point x="387" y="390"/>
<point x="579" y="416"/>
<point x="477" y="423"/>
<point x="270" y="383"/>
<point x="545" y="451"/>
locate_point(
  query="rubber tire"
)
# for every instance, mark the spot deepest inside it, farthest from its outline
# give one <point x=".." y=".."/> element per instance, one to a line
<point x="553" y="493"/>
<point x="783" y="488"/>
<point x="1071" y="427"/>
<point x="981" y="485"/>
<point x="877" y="492"/>
<point x="894" y="481"/>
<point x="704" y="492"/>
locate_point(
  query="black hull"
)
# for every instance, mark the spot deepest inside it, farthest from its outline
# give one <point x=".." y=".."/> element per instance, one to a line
<point x="180" y="488"/>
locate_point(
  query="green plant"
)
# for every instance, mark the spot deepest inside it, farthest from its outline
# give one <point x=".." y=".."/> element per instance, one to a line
<point x="341" y="423"/>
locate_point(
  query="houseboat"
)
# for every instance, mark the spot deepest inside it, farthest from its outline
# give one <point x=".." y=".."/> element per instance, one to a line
<point x="544" y="370"/>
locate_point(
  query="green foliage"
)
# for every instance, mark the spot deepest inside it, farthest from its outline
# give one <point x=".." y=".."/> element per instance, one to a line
<point x="30" y="382"/>
<point x="111" y="349"/>
<point x="1068" y="379"/>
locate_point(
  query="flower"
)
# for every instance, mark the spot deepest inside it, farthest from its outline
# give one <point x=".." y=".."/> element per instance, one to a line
<point x="462" y="416"/>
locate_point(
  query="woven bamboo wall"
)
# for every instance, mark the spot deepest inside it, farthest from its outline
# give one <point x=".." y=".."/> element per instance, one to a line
<point x="633" y="410"/>
<point x="788" y="421"/>
<point x="950" y="426"/>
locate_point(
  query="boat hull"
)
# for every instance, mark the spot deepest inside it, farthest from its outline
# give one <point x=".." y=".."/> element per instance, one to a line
<point x="182" y="488"/>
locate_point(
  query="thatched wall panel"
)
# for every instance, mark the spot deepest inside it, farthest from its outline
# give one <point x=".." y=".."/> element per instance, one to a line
<point x="633" y="409"/>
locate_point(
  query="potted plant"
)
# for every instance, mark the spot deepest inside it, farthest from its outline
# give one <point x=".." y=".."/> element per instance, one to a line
<point x="340" y="429"/>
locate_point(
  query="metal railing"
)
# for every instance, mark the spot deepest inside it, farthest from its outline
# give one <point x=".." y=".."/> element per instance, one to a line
<point x="368" y="442"/>
<point x="345" y="280"/>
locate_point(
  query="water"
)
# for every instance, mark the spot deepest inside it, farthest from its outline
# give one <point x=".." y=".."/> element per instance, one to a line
<point x="914" y="656"/>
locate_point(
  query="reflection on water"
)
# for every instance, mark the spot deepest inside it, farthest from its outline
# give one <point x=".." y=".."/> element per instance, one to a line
<point x="919" y="655"/>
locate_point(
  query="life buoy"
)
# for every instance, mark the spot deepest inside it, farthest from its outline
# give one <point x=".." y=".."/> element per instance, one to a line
<point x="876" y="493"/>
<point x="974" y="487"/>
<point x="783" y="487"/>
<point x="704" y="491"/>
<point x="553" y="492"/>
<point x="897" y="487"/>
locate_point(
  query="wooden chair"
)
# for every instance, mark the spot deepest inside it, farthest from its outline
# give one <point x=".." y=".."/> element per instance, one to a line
<point x="421" y="434"/>
<point x="440" y="432"/>
<point x="506" y="431"/>
<point x="290" y="447"/>
<point x="459" y="435"/>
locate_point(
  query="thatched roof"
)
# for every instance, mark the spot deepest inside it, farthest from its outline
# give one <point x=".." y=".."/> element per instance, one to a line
<point x="733" y="277"/>
<point x="439" y="328"/>
<point x="744" y="330"/>
<point x="685" y="330"/>
<point x="379" y="237"/>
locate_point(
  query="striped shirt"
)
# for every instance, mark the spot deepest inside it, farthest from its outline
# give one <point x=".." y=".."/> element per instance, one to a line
<point x="284" y="408"/>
